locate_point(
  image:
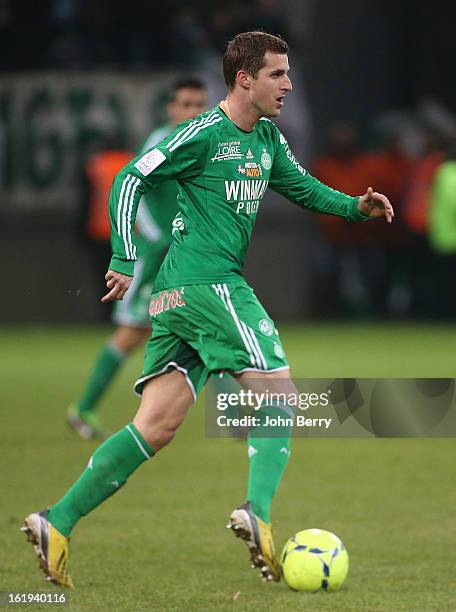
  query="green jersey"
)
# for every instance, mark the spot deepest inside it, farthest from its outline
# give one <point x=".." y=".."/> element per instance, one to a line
<point x="157" y="209"/>
<point x="222" y="173"/>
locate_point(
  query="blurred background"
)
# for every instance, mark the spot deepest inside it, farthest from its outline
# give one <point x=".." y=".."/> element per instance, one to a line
<point x="374" y="103"/>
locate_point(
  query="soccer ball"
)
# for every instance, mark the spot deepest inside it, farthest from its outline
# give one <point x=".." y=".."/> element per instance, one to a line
<point x="314" y="559"/>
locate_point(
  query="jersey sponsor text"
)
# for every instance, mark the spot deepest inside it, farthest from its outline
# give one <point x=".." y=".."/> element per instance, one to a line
<point x="246" y="193"/>
<point x="245" y="190"/>
<point x="290" y="155"/>
<point x="228" y="150"/>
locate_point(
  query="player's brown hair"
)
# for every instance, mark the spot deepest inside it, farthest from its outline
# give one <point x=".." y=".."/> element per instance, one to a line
<point x="246" y="52"/>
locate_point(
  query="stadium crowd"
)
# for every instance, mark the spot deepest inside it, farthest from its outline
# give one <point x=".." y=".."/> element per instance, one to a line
<point x="406" y="271"/>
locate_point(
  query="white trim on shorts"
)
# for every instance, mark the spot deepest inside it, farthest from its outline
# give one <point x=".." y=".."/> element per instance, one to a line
<point x="162" y="371"/>
<point x="262" y="371"/>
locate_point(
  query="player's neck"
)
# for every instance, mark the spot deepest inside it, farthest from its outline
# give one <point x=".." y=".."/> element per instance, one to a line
<point x="242" y="114"/>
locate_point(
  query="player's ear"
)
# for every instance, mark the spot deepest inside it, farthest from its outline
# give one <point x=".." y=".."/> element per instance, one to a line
<point x="243" y="79"/>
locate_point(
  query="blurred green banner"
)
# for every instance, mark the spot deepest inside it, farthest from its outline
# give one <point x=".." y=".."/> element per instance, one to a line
<point x="51" y="122"/>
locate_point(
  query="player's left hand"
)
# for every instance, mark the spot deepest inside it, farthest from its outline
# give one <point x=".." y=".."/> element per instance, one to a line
<point x="374" y="204"/>
<point x="117" y="284"/>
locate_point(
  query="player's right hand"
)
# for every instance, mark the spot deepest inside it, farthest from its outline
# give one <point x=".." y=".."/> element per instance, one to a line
<point x="117" y="284"/>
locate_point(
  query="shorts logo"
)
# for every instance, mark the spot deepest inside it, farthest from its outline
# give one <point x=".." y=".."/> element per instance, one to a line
<point x="266" y="161"/>
<point x="166" y="300"/>
<point x="278" y="350"/>
<point x="266" y="327"/>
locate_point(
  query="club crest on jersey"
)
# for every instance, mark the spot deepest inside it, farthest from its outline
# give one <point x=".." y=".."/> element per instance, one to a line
<point x="228" y="150"/>
<point x="266" y="161"/>
<point x="166" y="300"/>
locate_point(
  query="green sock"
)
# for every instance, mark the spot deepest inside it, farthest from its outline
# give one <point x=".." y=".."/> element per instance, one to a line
<point x="268" y="460"/>
<point x="107" y="470"/>
<point x="106" y="365"/>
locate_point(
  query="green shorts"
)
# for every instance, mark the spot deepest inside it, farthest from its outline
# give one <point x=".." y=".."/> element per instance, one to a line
<point x="133" y="310"/>
<point x="203" y="329"/>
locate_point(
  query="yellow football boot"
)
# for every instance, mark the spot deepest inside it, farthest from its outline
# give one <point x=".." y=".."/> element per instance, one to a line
<point x="258" y="537"/>
<point x="51" y="548"/>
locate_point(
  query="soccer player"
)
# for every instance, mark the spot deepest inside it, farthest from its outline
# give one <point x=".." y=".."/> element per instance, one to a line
<point x="205" y="318"/>
<point x="188" y="98"/>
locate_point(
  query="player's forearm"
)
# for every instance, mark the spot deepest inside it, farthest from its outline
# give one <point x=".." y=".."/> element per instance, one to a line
<point x="126" y="193"/>
<point x="322" y="199"/>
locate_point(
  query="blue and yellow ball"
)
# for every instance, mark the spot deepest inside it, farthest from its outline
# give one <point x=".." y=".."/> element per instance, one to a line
<point x="314" y="560"/>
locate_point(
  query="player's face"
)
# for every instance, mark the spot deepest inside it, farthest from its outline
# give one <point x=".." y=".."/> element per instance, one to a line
<point x="188" y="103"/>
<point x="268" y="90"/>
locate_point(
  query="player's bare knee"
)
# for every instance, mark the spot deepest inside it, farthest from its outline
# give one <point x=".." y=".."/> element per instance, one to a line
<point x="163" y="438"/>
<point x="165" y="402"/>
<point x="156" y="435"/>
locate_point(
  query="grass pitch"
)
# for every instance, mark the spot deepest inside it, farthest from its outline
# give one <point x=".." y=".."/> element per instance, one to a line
<point x="160" y="543"/>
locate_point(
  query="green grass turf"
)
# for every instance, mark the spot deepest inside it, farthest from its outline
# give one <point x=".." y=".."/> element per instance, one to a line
<point x="160" y="543"/>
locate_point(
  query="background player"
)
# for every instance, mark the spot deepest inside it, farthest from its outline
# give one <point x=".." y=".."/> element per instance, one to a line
<point x="205" y="316"/>
<point x="188" y="98"/>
